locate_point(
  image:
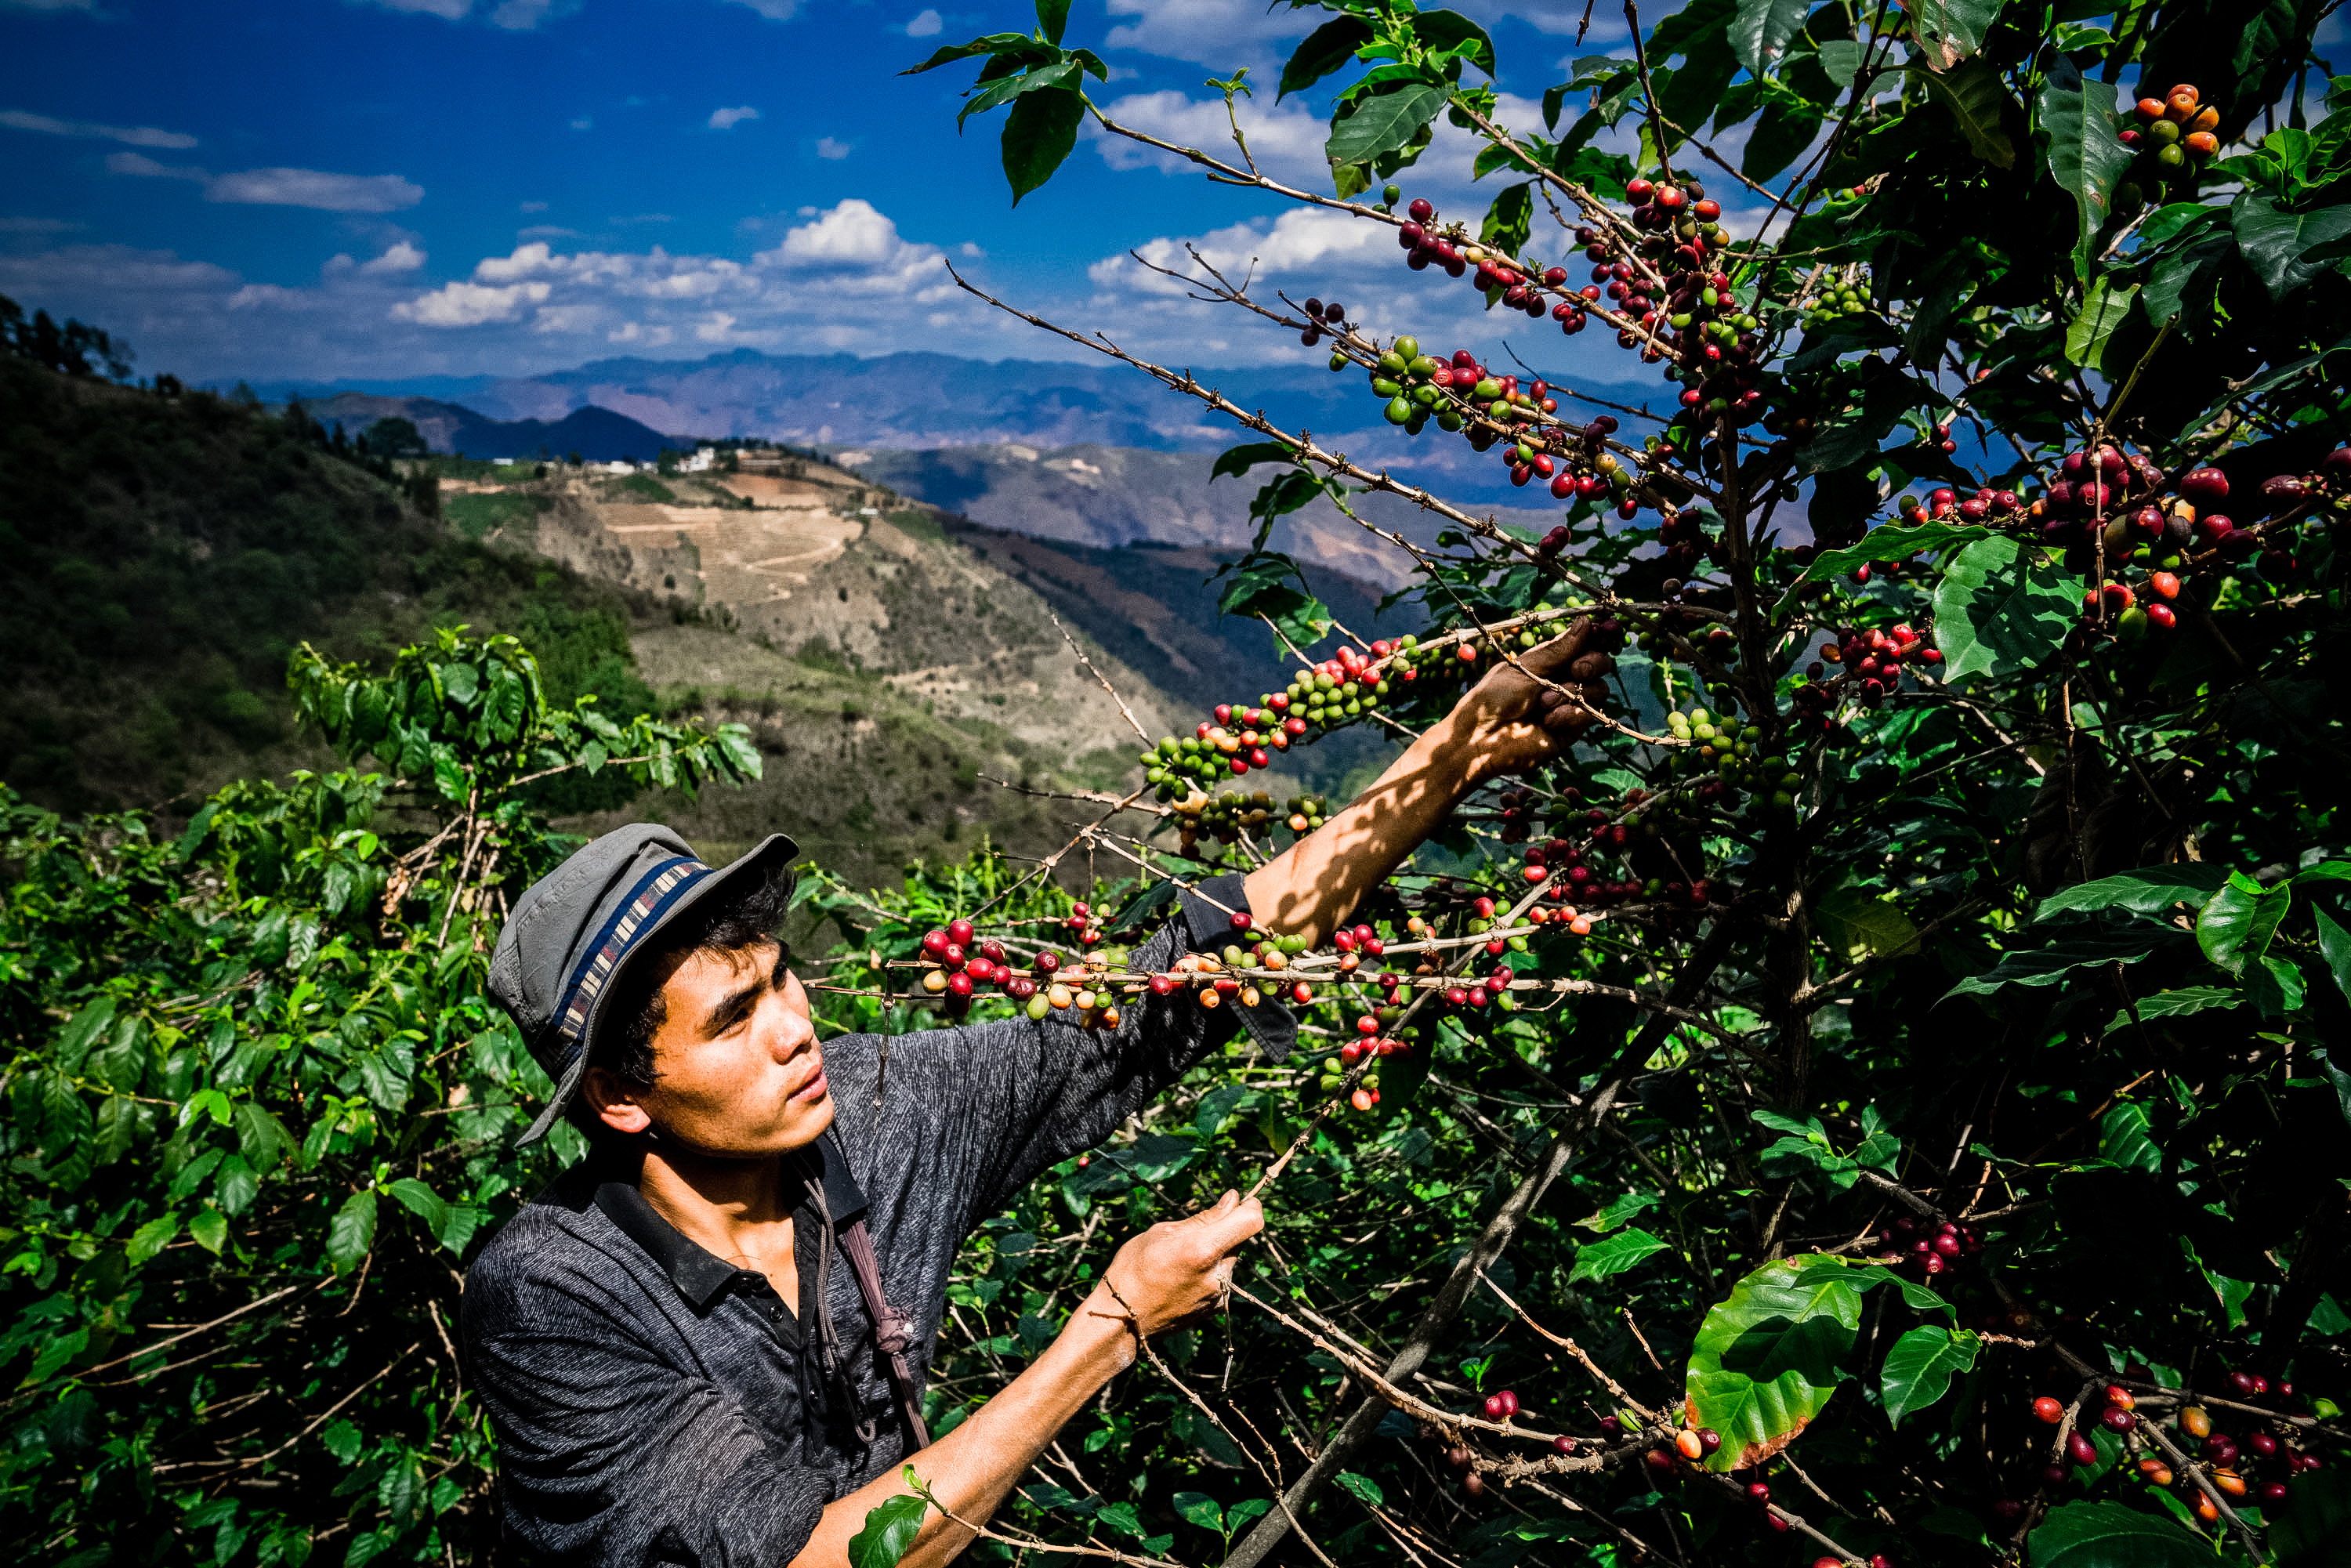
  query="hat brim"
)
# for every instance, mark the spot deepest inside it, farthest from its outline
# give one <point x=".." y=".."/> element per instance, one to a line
<point x="773" y="854"/>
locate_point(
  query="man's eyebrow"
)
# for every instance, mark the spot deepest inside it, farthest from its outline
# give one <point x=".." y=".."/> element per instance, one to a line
<point x="733" y="1004"/>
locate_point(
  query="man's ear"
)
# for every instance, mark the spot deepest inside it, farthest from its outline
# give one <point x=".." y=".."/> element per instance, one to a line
<point x="613" y="1102"/>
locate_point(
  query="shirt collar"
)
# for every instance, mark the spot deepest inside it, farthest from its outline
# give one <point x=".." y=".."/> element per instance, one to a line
<point x="699" y="1274"/>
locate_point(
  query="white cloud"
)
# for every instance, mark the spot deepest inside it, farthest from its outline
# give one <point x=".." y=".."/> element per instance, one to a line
<point x="49" y="5"/>
<point x="316" y="188"/>
<point x="774" y="10"/>
<point x="828" y="147"/>
<point x="585" y="123"/>
<point x="925" y="25"/>
<point x="525" y="261"/>
<point x="401" y="257"/>
<point x="39" y="226"/>
<point x="729" y="118"/>
<point x="1287" y="141"/>
<point x="447" y="10"/>
<point x="854" y="233"/>
<point x="522" y="16"/>
<point x="514" y="16"/>
<point x="470" y="304"/>
<point x="282" y="187"/>
<point x="1219" y="33"/>
<point x="547" y="231"/>
<point x="1301" y="240"/>
<point x="534" y="207"/>
<point x="129" y="135"/>
<point x="139" y="166"/>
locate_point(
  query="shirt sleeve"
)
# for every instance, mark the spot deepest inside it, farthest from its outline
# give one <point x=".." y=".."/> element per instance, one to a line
<point x="993" y="1104"/>
<point x="609" y="1456"/>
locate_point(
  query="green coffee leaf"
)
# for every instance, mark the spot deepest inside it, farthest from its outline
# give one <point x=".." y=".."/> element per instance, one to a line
<point x="2085" y="155"/>
<point x="152" y="1238"/>
<point x="1857" y="925"/>
<point x="2105" y="308"/>
<point x="1919" y="1368"/>
<point x="1328" y="48"/>
<point x="1895" y="541"/>
<point x="423" y="1202"/>
<point x="1384" y="123"/>
<point x="86" y="1028"/>
<point x="2002" y="606"/>
<point x="890" y="1529"/>
<point x="1039" y="134"/>
<point x="2047" y="965"/>
<point x="351" y="1234"/>
<point x="1977" y="100"/>
<point x="2110" y="1535"/>
<point x="209" y="1228"/>
<point x="1599" y="1259"/>
<point x="1203" y="1511"/>
<point x="1364" y="1490"/>
<point x="1760" y="31"/>
<point x="2238" y="921"/>
<point x="2155" y="890"/>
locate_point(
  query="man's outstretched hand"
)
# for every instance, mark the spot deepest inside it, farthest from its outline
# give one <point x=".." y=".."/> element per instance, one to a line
<point x="1181" y="1267"/>
<point x="1519" y="715"/>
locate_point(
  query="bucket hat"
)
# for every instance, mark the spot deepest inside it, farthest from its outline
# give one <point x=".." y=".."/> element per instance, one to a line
<point x="576" y="930"/>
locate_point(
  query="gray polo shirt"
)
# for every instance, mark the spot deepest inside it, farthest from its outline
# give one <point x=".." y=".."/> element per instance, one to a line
<point x="653" y="1403"/>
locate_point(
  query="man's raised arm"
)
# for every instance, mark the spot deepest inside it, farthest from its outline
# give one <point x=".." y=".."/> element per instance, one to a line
<point x="1507" y="722"/>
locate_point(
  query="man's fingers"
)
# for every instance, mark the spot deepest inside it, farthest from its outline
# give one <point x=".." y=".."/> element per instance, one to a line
<point x="1549" y="658"/>
<point x="1233" y="1221"/>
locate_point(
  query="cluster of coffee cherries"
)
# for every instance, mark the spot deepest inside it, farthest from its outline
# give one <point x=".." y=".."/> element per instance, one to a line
<point x="2154" y="533"/>
<point x="2175" y="137"/>
<point x="1871" y="661"/>
<point x="1236" y="737"/>
<point x="1931" y="1249"/>
<point x="2228" y="1459"/>
<point x="957" y="968"/>
<point x="1517" y="285"/>
<point x="1662" y="283"/>
<point x="1690" y="1447"/>
<point x="1323" y="317"/>
<point x="1734" y="753"/>
<point x="1838" y="294"/>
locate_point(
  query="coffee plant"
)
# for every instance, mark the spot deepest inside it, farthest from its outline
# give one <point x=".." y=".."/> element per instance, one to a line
<point x="259" y="1105"/>
<point x="1870" y="1102"/>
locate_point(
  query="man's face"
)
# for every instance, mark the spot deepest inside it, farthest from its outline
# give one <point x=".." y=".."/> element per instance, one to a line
<point x="737" y="1071"/>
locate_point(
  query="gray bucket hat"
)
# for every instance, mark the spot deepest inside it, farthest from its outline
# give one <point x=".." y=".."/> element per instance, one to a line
<point x="574" y="931"/>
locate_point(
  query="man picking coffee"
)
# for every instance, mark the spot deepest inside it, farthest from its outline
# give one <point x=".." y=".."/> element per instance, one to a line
<point x="691" y="1345"/>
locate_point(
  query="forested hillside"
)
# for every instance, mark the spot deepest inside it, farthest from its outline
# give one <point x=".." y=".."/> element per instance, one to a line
<point x="162" y="553"/>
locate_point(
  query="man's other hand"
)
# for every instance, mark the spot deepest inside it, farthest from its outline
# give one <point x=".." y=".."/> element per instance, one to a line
<point x="1180" y="1268"/>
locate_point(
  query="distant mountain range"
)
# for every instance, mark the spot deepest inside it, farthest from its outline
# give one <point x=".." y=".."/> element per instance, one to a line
<point x="912" y="402"/>
<point x="598" y="434"/>
<point x="1105" y="497"/>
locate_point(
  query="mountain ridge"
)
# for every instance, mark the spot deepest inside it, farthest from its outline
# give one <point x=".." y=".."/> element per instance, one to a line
<point x="922" y="401"/>
<point x="598" y="434"/>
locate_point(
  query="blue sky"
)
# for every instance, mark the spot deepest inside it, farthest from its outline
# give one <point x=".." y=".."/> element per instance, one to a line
<point x="323" y="189"/>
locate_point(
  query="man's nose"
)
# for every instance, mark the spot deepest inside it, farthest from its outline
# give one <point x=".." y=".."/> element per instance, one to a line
<point x="790" y="1031"/>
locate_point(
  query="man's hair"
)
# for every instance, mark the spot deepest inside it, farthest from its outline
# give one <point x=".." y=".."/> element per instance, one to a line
<point x="729" y="924"/>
